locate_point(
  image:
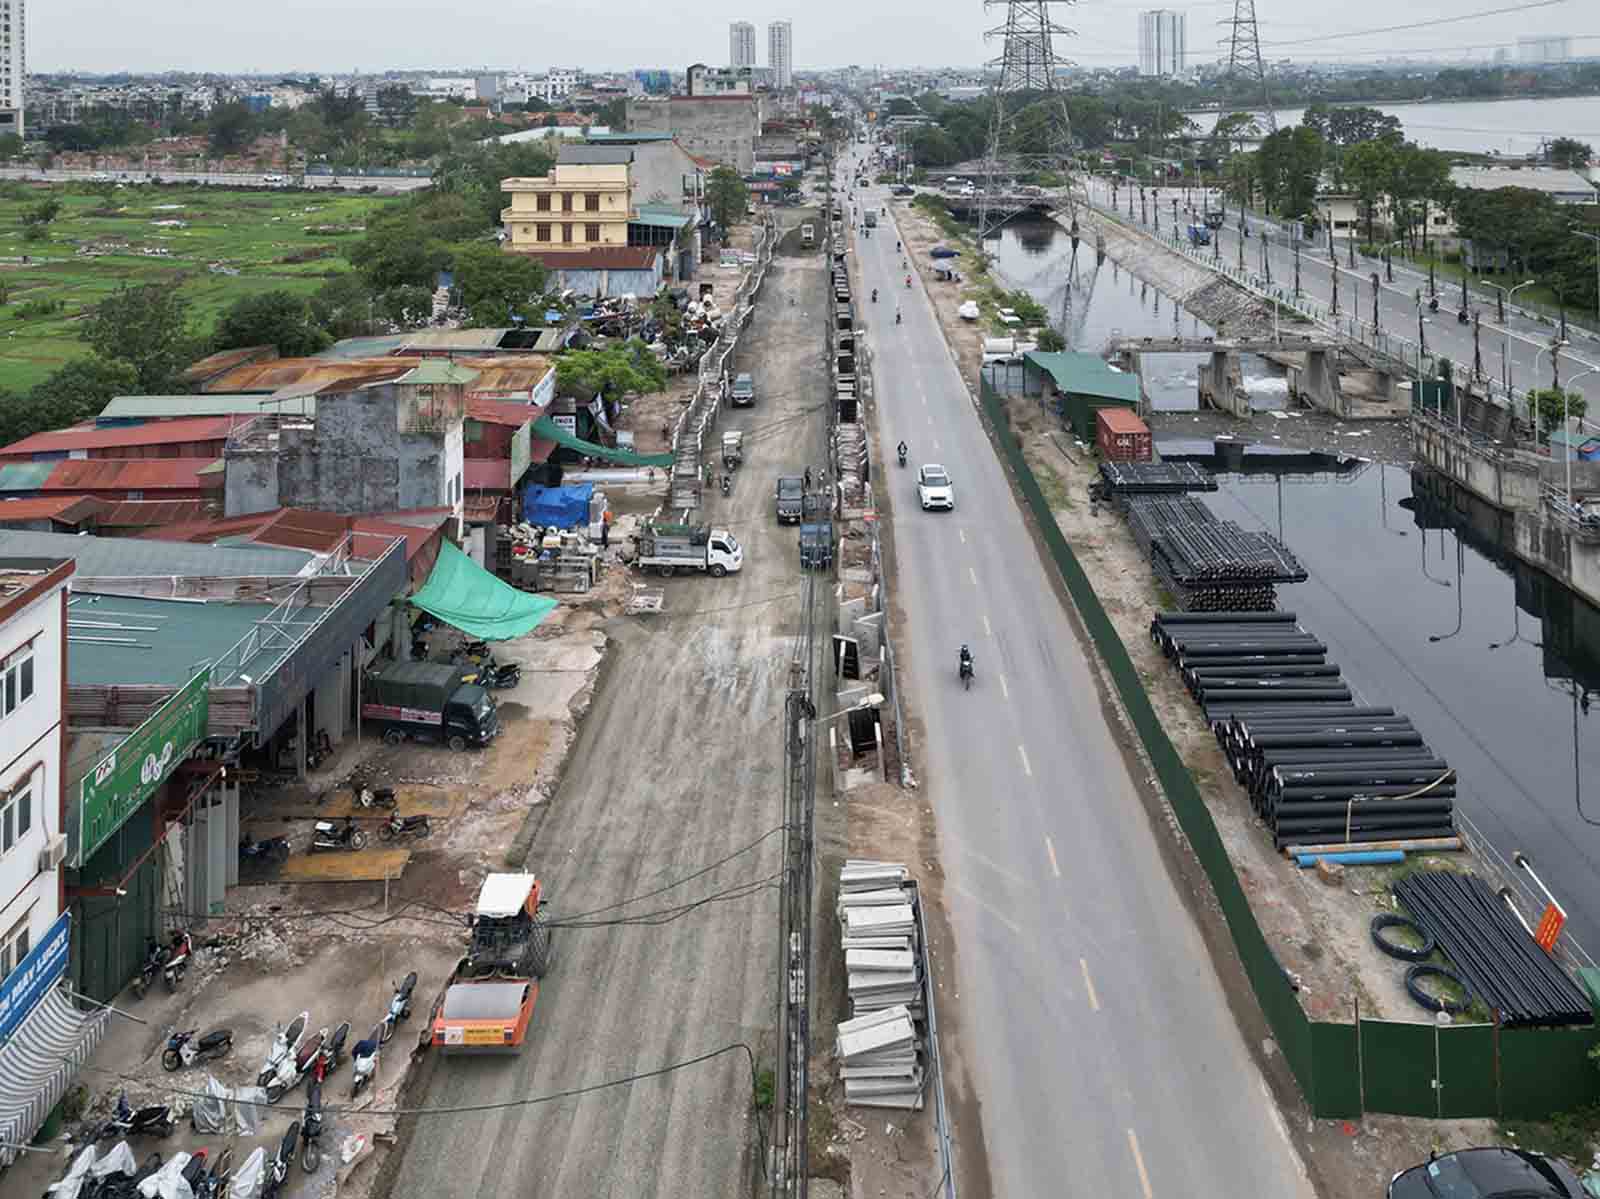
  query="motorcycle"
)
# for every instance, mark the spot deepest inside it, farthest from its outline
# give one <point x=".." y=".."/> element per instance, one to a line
<point x="399" y="1005"/>
<point x="1433" y="304"/>
<point x="292" y="1069"/>
<point x="331" y="1053"/>
<point x="153" y="1121"/>
<point x="364" y="1060"/>
<point x="375" y="797"/>
<point x="178" y="958"/>
<point x="908" y="282"/>
<point x="311" y="1130"/>
<point x="897" y="318"/>
<point x="399" y="827"/>
<point x="214" y="1184"/>
<point x="278" y="1170"/>
<point x="901" y="454"/>
<point x="1462" y="317"/>
<point x="966" y="673"/>
<point x="270" y="850"/>
<point x="155" y="957"/>
<point x="183" y="1050"/>
<point x="320" y="750"/>
<point x="326" y="835"/>
<point x="284" y="1048"/>
<point x="874" y="295"/>
<point x="727" y="484"/>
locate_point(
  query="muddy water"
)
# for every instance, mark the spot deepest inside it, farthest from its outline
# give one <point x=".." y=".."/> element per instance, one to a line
<point x="1092" y="303"/>
<point x="1494" y="662"/>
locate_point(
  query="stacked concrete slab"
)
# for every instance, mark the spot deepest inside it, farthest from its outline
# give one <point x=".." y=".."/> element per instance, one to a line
<point x="881" y="1048"/>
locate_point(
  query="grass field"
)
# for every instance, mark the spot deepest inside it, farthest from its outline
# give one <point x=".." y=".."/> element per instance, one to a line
<point x="188" y="237"/>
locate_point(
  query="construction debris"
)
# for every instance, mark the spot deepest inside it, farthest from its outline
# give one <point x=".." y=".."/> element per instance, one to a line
<point x="881" y="1048"/>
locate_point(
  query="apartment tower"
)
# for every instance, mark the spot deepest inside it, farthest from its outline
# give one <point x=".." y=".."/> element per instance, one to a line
<point x="780" y="53"/>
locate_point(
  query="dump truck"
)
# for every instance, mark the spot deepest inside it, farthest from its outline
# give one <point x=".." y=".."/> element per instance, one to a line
<point x="488" y="1003"/>
<point x="790" y="499"/>
<point x="670" y="548"/>
<point x="1199" y="235"/>
<point x="429" y="701"/>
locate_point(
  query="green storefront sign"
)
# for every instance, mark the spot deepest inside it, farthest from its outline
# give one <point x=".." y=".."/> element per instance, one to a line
<point x="129" y="774"/>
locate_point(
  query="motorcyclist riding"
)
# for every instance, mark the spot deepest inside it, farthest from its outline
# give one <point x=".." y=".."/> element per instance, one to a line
<point x="874" y="295"/>
<point x="966" y="662"/>
<point x="901" y="450"/>
<point x="897" y="316"/>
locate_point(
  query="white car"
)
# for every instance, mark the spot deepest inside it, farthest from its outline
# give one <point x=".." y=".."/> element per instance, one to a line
<point x="934" y="488"/>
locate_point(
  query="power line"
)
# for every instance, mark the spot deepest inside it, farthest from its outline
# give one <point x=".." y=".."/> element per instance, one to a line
<point x="680" y="882"/>
<point x="1428" y="24"/>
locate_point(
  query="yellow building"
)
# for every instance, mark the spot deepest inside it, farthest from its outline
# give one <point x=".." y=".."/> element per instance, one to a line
<point x="582" y="203"/>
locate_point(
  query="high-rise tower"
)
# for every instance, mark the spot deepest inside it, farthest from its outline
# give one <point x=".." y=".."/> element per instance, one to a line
<point x="741" y="44"/>
<point x="780" y="53"/>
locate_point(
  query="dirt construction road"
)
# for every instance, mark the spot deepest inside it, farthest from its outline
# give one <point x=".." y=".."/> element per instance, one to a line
<point x="677" y="766"/>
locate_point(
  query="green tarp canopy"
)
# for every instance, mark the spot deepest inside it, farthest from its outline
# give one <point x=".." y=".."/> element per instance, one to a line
<point x="461" y="593"/>
<point x="547" y="430"/>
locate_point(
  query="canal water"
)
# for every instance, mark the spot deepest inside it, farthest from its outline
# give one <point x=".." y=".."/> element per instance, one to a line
<point x="1092" y="303"/>
<point x="1495" y="663"/>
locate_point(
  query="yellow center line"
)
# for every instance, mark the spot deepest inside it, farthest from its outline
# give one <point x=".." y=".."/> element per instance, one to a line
<point x="1138" y="1161"/>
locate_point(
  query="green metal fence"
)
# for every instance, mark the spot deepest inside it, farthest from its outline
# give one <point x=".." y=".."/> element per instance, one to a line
<point x="1343" y="1069"/>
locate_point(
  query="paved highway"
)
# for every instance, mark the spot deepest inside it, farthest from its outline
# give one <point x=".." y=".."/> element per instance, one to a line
<point x="1105" y="1056"/>
<point x="1510" y="350"/>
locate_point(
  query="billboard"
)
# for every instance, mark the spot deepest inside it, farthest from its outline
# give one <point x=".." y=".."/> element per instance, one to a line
<point x="34" y="975"/>
<point x="127" y="776"/>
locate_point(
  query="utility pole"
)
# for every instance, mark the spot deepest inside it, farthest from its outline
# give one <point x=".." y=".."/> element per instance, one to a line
<point x="1297" y="270"/>
<point x="1375" y="285"/>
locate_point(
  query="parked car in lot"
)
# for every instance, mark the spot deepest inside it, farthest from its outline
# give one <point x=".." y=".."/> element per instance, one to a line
<point x="934" y="489"/>
<point x="1490" y="1173"/>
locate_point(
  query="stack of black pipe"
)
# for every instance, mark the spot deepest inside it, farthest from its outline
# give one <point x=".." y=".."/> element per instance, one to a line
<point x="1319" y="767"/>
<point x="1492" y="952"/>
<point x="1153" y="478"/>
<point x="1208" y="565"/>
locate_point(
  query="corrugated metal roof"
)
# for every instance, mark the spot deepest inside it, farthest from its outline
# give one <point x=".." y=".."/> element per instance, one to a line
<point x="1085" y="374"/>
<point x="224" y="360"/>
<point x="312" y="531"/>
<point x="125" y="474"/>
<point x="500" y="412"/>
<point x="171" y="637"/>
<point x="24" y="476"/>
<point x="69" y="509"/>
<point x="267" y="377"/>
<point x="102" y="556"/>
<point x="488" y="474"/>
<point x="517" y="372"/>
<point x="166" y="432"/>
<point x="589" y="155"/>
<point x="452" y="339"/>
<point x="208" y="404"/>
<point x="144" y="514"/>
<point x="365" y="347"/>
<point x="659" y="218"/>
<point x="439" y="371"/>
<point x="627" y="138"/>
<point x="602" y="258"/>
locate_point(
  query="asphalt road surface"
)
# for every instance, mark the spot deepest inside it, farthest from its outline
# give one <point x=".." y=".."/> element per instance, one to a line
<point x="1514" y="350"/>
<point x="1105" y="1057"/>
<point x="678" y="765"/>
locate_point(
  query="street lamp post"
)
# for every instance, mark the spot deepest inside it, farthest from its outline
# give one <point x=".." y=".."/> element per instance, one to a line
<point x="1335" y="308"/>
<point x="1422" y="338"/>
<point x="1555" y="348"/>
<point x="1502" y="295"/>
<point x="1375" y="286"/>
<point x="1388" y="260"/>
<point x="1297" y="270"/>
<point x="1477" y="349"/>
<point x="1350" y="241"/>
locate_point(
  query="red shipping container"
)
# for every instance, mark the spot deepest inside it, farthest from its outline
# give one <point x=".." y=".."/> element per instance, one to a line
<point x="1121" y="436"/>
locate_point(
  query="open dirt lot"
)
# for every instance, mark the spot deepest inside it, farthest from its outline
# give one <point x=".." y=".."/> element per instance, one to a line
<point x="676" y="773"/>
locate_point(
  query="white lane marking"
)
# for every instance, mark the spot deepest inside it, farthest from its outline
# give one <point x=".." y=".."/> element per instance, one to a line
<point x="1004" y="690"/>
<point x="1023" y="754"/>
<point x="924" y="401"/>
<point x="1138" y="1161"/>
<point x="972" y="855"/>
<point x="962" y="533"/>
<point x="1050" y="847"/>
<point x="985" y="908"/>
<point x="935" y="443"/>
<point x="987" y="631"/>
<point x="973" y="575"/>
<point x="1094" y="999"/>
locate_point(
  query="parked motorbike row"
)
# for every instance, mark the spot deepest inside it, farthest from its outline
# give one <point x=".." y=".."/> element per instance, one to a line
<point x="298" y="1053"/>
<point x="497" y="676"/>
<point x="170" y="961"/>
<point x="118" y="1175"/>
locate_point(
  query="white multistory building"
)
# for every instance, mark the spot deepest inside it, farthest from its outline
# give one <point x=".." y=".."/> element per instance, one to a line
<point x="741" y="44"/>
<point x="780" y="53"/>
<point x="1161" y="42"/>
<point x="13" y="63"/>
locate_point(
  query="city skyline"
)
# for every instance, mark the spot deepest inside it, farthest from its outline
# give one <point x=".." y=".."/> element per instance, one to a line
<point x="85" y="35"/>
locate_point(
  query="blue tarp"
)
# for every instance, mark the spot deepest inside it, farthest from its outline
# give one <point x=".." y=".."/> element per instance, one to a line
<point x="562" y="507"/>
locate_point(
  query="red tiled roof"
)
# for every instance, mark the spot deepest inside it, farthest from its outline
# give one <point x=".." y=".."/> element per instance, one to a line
<point x="158" y="514"/>
<point x="90" y="437"/>
<point x="602" y="258"/>
<point x="130" y="474"/>
<point x="500" y="412"/>
<point x="68" y="509"/>
<point x="488" y="474"/>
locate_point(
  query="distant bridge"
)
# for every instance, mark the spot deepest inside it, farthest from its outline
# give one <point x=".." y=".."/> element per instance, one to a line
<point x="1288" y="343"/>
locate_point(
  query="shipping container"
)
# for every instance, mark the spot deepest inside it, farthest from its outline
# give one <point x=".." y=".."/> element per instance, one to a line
<point x="1121" y="436"/>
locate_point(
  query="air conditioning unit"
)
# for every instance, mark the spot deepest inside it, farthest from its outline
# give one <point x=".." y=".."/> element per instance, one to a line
<point x="53" y="853"/>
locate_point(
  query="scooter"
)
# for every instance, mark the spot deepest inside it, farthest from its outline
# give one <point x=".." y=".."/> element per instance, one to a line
<point x="327" y="835"/>
<point x="1433" y="304"/>
<point x="874" y="295"/>
<point x="364" y="1060"/>
<point x="897" y="317"/>
<point x="901" y="454"/>
<point x="320" y="750"/>
<point x="153" y="1121"/>
<point x="399" y="1005"/>
<point x="278" y="1170"/>
<point x="284" y="1048"/>
<point x="178" y="958"/>
<point x="215" y="1181"/>
<point x="908" y="282"/>
<point x="183" y="1050"/>
<point x="331" y="1053"/>
<point x="292" y="1069"/>
<point x="155" y="957"/>
<point x="727" y="484"/>
<point x="375" y="797"/>
<point x="1461" y="317"/>
<point x="311" y="1130"/>
<point x="966" y="673"/>
<point x="270" y="850"/>
<point x="398" y="827"/>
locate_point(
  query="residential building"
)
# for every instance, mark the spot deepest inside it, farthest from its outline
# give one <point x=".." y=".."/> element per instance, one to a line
<point x="1161" y="42"/>
<point x="13" y="63"/>
<point x="720" y="81"/>
<point x="1544" y="48"/>
<point x="722" y="129"/>
<point x="741" y="44"/>
<point x="780" y="53"/>
<point x="582" y="202"/>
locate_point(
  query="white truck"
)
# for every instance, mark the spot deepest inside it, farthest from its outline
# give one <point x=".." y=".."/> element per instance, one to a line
<point x="808" y="236"/>
<point x="670" y="548"/>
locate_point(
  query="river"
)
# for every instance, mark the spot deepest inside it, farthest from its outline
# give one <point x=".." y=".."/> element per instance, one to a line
<point x="1510" y="127"/>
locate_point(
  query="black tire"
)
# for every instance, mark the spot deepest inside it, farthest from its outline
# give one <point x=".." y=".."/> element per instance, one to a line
<point x="718" y="570"/>
<point x="1435" y="1003"/>
<point x="541" y="951"/>
<point x="457" y="743"/>
<point x="966" y="680"/>
<point x="393" y="736"/>
<point x="310" y="1157"/>
<point x="386" y="831"/>
<point x="171" y="1060"/>
<point x="664" y="570"/>
<point x="280" y="852"/>
<point x="274" y="1093"/>
<point x="358" y="839"/>
<point x="1388" y="920"/>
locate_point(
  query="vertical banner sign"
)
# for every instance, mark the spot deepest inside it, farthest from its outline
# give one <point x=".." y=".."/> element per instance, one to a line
<point x="129" y="774"/>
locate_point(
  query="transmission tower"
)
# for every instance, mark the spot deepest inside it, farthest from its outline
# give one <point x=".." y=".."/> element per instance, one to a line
<point x="1245" y="75"/>
<point x="1029" y="67"/>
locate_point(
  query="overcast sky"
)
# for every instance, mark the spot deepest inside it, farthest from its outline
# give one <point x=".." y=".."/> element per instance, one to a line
<point x="342" y="35"/>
